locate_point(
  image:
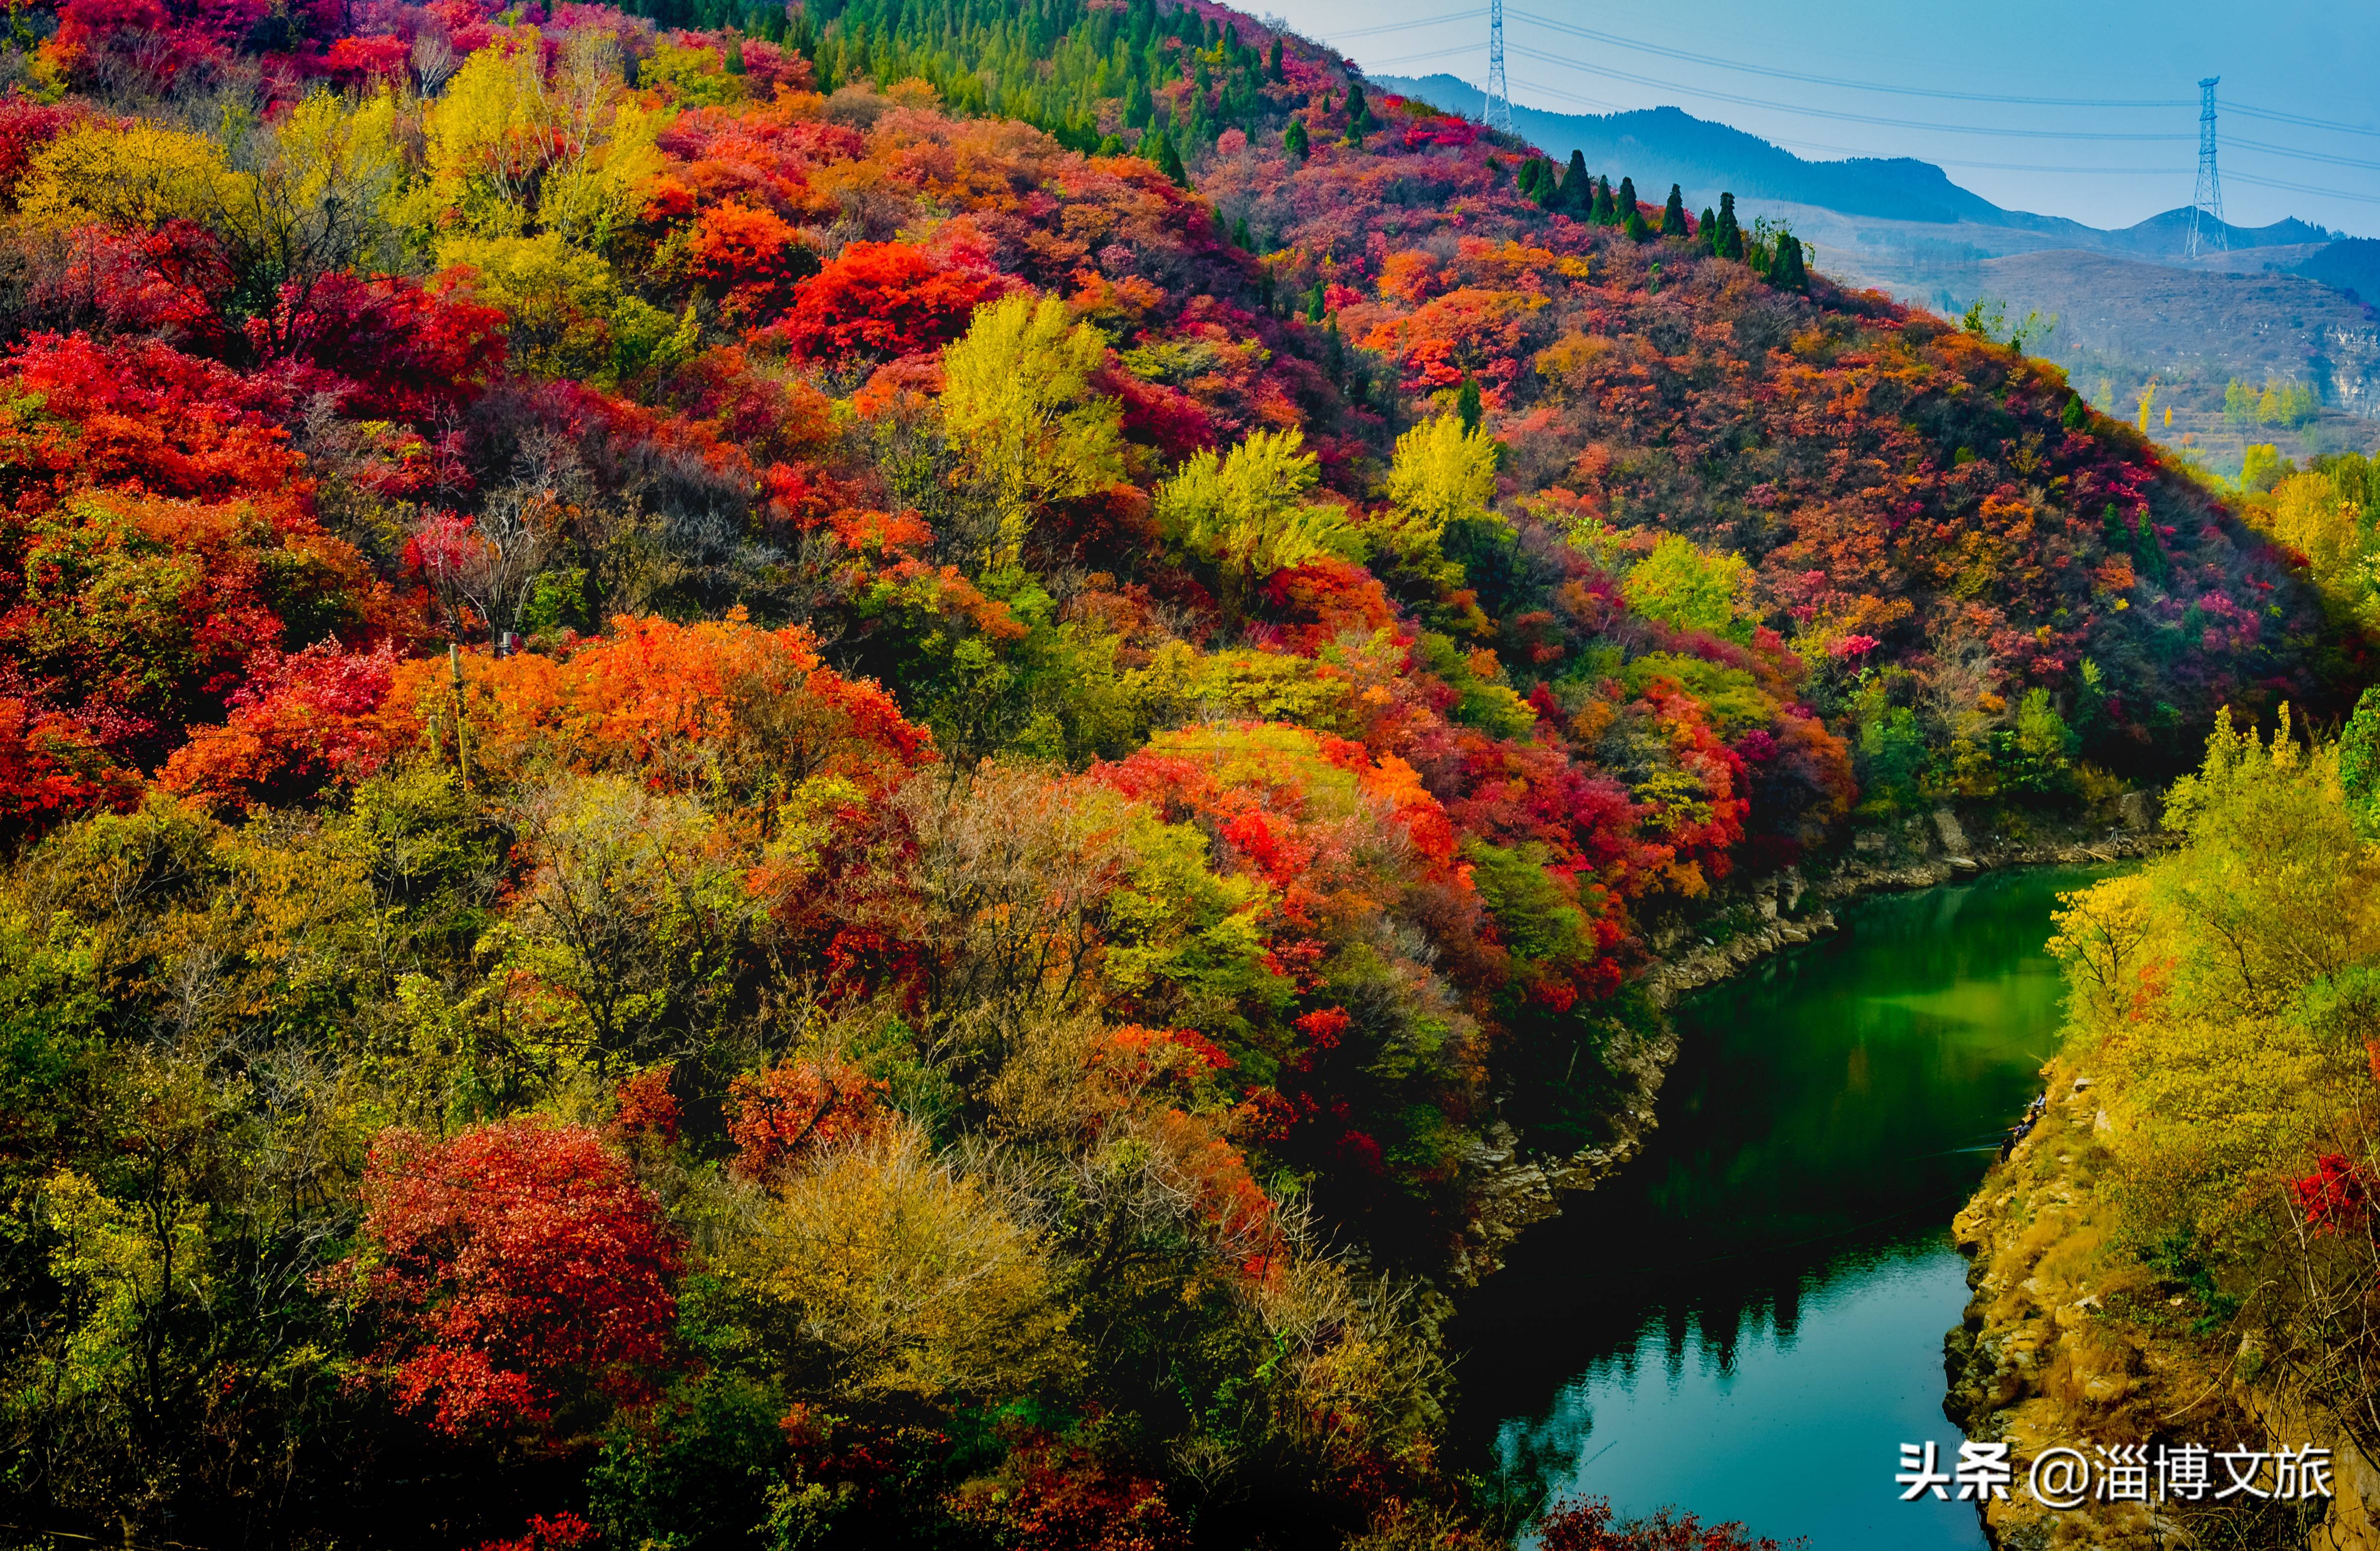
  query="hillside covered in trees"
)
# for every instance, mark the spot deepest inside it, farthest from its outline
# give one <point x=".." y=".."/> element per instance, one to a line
<point x="825" y="778"/>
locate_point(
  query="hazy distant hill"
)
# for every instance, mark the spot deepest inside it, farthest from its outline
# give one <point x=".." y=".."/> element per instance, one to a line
<point x="1707" y="157"/>
<point x="2289" y="300"/>
<point x="2352" y="265"/>
<point x="1667" y="144"/>
<point x="2198" y="323"/>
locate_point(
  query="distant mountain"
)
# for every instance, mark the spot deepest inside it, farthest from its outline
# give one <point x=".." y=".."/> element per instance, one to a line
<point x="1665" y="145"/>
<point x="2197" y="326"/>
<point x="2162" y="237"/>
<point x="1705" y="156"/>
<point x="2351" y="265"/>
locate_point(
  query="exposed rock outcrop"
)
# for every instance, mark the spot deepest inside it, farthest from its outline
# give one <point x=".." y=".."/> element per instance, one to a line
<point x="2064" y="1344"/>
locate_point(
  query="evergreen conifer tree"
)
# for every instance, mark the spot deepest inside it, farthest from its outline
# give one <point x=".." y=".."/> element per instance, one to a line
<point x="1730" y="234"/>
<point x="1240" y="238"/>
<point x="1607" y="211"/>
<point x="1468" y="404"/>
<point x="1673" y="215"/>
<point x="1359" y="113"/>
<point x="1706" y="232"/>
<point x="735" y="53"/>
<point x="1276" y="71"/>
<point x="1313" y="303"/>
<point x="1578" y="189"/>
<point x="1638" y="228"/>
<point x="1786" y="271"/>
<point x="1547" y="193"/>
<point x="1624" y="204"/>
<point x="1158" y="148"/>
<point x="1294" y="141"/>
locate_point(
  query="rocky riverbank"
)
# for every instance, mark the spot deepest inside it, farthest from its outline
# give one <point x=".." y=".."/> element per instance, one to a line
<point x="1784" y="910"/>
<point x="2066" y="1343"/>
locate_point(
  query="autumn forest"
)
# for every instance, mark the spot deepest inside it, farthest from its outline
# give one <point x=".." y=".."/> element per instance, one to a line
<point x="829" y="776"/>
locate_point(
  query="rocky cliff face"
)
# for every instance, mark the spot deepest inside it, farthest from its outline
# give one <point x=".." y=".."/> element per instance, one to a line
<point x="2069" y="1341"/>
<point x="2350" y="362"/>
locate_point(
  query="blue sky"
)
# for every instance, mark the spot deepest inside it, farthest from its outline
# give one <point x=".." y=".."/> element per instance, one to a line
<point x="2313" y="61"/>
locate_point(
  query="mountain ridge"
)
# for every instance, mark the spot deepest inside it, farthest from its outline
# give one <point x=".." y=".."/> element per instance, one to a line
<point x="1704" y="155"/>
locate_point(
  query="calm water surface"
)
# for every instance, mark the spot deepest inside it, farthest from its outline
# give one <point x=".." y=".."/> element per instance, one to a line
<point x="1748" y="1321"/>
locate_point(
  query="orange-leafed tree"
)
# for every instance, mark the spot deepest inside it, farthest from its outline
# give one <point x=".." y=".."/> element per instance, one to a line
<point x="796" y="1108"/>
<point x="748" y="260"/>
<point x="679" y="704"/>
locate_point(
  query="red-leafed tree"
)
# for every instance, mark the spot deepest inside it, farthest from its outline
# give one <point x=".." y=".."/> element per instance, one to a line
<point x="884" y="299"/>
<point x="26" y="126"/>
<point x="389" y="348"/>
<point x="1592" y="1526"/>
<point x="519" y="1269"/>
<point x="300" y="720"/>
<point x="51" y="769"/>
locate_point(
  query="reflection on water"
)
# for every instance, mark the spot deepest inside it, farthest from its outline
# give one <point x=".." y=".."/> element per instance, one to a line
<point x="1748" y="1321"/>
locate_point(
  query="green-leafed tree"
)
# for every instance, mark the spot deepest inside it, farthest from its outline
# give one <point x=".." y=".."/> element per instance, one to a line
<point x="1673" y="215"/>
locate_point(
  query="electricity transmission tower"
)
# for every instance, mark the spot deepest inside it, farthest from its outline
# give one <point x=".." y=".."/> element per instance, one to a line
<point x="1498" y="115"/>
<point x="2207" y="228"/>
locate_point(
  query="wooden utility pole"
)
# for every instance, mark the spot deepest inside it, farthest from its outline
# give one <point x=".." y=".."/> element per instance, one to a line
<point x="462" y="734"/>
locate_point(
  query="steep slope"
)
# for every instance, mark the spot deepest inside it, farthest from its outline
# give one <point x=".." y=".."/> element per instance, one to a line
<point x="1901" y="226"/>
<point x="845" y="783"/>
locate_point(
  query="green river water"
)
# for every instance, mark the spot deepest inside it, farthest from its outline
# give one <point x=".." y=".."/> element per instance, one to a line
<point x="1747" y="1320"/>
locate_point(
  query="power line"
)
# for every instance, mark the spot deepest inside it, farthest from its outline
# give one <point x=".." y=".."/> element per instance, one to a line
<point x="2262" y="146"/>
<point x="2308" y="155"/>
<point x="2004" y="166"/>
<point x="1833" y="113"/>
<point x="1864" y="153"/>
<point x="1690" y="57"/>
<point x="1408" y="25"/>
<point x="2234" y="175"/>
<point x="2279" y="117"/>
<point x="1422" y="58"/>
<point x="1575" y="97"/>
